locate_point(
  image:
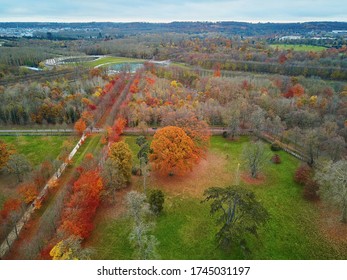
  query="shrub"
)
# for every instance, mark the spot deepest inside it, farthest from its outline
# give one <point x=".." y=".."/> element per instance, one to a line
<point x="135" y="170"/>
<point x="156" y="201"/>
<point x="311" y="190"/>
<point x="276" y="159"/>
<point x="303" y="174"/>
<point x="275" y="147"/>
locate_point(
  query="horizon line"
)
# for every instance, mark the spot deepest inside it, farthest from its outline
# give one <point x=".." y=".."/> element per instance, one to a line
<point x="187" y="21"/>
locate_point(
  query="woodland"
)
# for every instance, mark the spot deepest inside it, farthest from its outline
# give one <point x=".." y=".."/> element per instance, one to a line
<point x="234" y="148"/>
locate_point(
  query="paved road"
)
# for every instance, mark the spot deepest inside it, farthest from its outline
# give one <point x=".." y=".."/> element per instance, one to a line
<point x="45" y="131"/>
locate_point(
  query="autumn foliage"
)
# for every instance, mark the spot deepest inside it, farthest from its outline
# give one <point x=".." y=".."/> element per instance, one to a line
<point x="174" y="152"/>
<point x="117" y="129"/>
<point x="197" y="130"/>
<point x="4" y="154"/>
<point x="80" y="126"/>
<point x="10" y="205"/>
<point x="79" y="211"/>
<point x="28" y="192"/>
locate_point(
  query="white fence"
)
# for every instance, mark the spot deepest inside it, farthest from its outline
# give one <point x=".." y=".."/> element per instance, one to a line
<point x="12" y="236"/>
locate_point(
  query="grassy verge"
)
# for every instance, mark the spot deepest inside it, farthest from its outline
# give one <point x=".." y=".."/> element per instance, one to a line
<point x="113" y="60"/>
<point x="37" y="148"/>
<point x="91" y="145"/>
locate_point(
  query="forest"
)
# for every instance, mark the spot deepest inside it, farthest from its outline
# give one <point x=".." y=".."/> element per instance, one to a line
<point x="221" y="145"/>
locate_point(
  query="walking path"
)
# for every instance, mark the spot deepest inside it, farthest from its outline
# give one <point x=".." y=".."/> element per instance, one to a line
<point x="12" y="236"/>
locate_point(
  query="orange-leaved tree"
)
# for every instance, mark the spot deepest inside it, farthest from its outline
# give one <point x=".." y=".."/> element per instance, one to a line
<point x="80" y="126"/>
<point x="79" y="211"/>
<point x="117" y="129"/>
<point x="197" y="130"/>
<point x="28" y="192"/>
<point x="4" y="154"/>
<point x="174" y="152"/>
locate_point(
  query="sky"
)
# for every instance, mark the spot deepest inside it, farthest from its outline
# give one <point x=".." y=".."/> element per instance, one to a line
<point x="173" y="10"/>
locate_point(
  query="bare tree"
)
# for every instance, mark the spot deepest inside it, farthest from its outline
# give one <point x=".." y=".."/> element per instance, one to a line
<point x="19" y="165"/>
<point x="112" y="178"/>
<point x="333" y="185"/>
<point x="139" y="210"/>
<point x="255" y="156"/>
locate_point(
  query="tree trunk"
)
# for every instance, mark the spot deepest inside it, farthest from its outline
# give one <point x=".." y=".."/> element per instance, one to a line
<point x="15" y="229"/>
<point x="344" y="213"/>
<point x="8" y="243"/>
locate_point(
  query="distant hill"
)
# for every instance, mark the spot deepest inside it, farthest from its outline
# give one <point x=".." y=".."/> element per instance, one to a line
<point x="224" y="27"/>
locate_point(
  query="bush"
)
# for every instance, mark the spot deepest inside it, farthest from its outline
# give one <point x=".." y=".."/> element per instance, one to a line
<point x="275" y="147"/>
<point x="311" y="190"/>
<point x="276" y="159"/>
<point x="156" y="201"/>
<point x="135" y="170"/>
<point x="303" y="174"/>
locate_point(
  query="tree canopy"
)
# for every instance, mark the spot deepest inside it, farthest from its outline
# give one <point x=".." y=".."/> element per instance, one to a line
<point x="174" y="152"/>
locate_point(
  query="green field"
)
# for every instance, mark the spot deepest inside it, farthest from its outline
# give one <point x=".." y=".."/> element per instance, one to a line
<point x="186" y="230"/>
<point x="299" y="48"/>
<point x="91" y="145"/>
<point x="37" y="148"/>
<point x="112" y="60"/>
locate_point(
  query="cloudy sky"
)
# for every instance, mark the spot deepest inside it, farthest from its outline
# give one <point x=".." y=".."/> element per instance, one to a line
<point x="173" y="10"/>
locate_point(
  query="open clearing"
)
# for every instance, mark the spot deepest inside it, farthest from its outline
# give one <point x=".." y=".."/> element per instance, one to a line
<point x="111" y="60"/>
<point x="186" y="230"/>
<point x="299" y="48"/>
<point x="36" y="149"/>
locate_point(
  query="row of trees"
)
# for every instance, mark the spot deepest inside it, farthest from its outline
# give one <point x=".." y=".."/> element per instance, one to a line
<point x="57" y="102"/>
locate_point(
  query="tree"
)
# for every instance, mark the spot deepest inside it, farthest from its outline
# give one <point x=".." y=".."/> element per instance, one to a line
<point x="197" y="130"/>
<point x="156" y="201"/>
<point x="11" y="213"/>
<point x="234" y="123"/>
<point x="112" y="178"/>
<point x="28" y="192"/>
<point x="142" y="142"/>
<point x="239" y="214"/>
<point x="80" y="209"/>
<point x="19" y="165"/>
<point x="121" y="156"/>
<point x="174" y="151"/>
<point x="117" y="129"/>
<point x="142" y="155"/>
<point x="70" y="249"/>
<point x="335" y="147"/>
<point x="257" y="119"/>
<point x="333" y="185"/>
<point x="139" y="210"/>
<point x="312" y="145"/>
<point x="4" y="154"/>
<point x="80" y="126"/>
<point x="255" y="156"/>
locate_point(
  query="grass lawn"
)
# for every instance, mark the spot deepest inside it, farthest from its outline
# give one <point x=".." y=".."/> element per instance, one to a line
<point x="299" y="48"/>
<point x="186" y="230"/>
<point x="37" y="148"/>
<point x="112" y="60"/>
<point x="91" y="145"/>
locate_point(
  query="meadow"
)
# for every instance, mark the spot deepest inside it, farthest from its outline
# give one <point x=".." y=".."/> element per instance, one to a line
<point x="299" y="48"/>
<point x="111" y="60"/>
<point x="37" y="149"/>
<point x="186" y="230"/>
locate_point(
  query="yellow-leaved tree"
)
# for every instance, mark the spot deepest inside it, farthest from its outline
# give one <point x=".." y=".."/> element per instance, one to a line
<point x="70" y="249"/>
<point x="121" y="157"/>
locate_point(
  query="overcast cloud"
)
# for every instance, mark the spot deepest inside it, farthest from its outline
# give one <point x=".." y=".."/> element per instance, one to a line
<point x="174" y="10"/>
